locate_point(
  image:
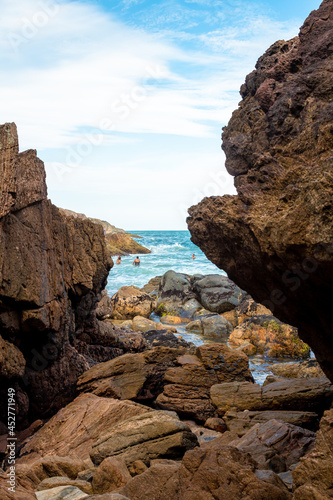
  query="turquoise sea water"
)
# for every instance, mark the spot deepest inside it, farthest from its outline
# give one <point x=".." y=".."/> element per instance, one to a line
<point x="170" y="250"/>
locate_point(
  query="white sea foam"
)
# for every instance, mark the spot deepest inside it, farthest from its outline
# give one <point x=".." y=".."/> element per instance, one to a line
<point x="170" y="250"/>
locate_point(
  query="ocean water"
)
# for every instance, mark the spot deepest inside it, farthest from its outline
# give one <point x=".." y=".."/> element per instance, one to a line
<point x="173" y="250"/>
<point x="170" y="250"/>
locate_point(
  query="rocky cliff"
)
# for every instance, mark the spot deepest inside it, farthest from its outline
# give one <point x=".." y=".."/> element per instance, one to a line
<point x="118" y="241"/>
<point x="52" y="270"/>
<point x="275" y="238"/>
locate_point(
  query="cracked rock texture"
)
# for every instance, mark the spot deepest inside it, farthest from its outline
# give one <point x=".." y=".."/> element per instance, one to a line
<point x="275" y="238"/>
<point x="52" y="271"/>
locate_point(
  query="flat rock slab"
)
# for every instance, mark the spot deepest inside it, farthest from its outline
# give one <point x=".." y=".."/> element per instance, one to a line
<point x="57" y="481"/>
<point x="61" y="493"/>
<point x="155" y="434"/>
<point x="295" y="394"/>
<point x="241" y="422"/>
<point x="75" y="428"/>
<point x="130" y="375"/>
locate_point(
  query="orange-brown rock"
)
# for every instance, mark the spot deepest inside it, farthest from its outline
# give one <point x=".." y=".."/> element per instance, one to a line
<point x="57" y="481"/>
<point x="75" y="428"/>
<point x="187" y="386"/>
<point x="306" y="369"/>
<point x="20" y="493"/>
<point x="249" y="308"/>
<point x="275" y="445"/>
<point x="270" y="337"/>
<point x="131" y="376"/>
<point x="209" y="472"/>
<point x="129" y="302"/>
<point x="296" y="394"/>
<point x="121" y="243"/>
<point x="313" y="478"/>
<point x="111" y="474"/>
<point x="141" y="324"/>
<point x="240" y="422"/>
<point x="275" y="238"/>
<point x="118" y="241"/>
<point x="150" y="435"/>
<point x="160" y="481"/>
<point x="31" y="473"/>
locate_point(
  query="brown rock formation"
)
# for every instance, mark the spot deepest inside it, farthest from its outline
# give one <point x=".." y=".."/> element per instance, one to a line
<point x="210" y="472"/>
<point x="118" y="241"/>
<point x="313" y="477"/>
<point x="52" y="270"/>
<point x="275" y="238"/>
<point x="129" y="302"/>
<point x="296" y="394"/>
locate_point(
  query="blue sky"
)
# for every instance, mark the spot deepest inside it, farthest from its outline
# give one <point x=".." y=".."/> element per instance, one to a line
<point x="125" y="100"/>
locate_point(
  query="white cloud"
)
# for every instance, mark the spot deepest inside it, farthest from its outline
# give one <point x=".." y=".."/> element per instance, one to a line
<point x="84" y="87"/>
<point x="134" y="194"/>
<point x="83" y="66"/>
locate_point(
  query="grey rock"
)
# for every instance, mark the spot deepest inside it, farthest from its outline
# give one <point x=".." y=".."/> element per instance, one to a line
<point x="218" y="293"/>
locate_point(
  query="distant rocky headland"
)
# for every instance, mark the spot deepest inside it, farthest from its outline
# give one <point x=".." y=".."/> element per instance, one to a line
<point x="100" y="402"/>
<point x="118" y="241"/>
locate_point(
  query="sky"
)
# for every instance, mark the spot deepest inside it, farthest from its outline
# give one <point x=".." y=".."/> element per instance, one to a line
<point x="124" y="101"/>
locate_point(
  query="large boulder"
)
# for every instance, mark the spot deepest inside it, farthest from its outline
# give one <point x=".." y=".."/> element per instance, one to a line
<point x="162" y="478"/>
<point x="217" y="293"/>
<point x="34" y="472"/>
<point x="131" y="376"/>
<point x="269" y="336"/>
<point x="151" y="435"/>
<point x="274" y="239"/>
<point x="75" y="428"/>
<point x="187" y="385"/>
<point x="175" y="296"/>
<point x="111" y="474"/>
<point x="129" y="302"/>
<point x="62" y="493"/>
<point x="306" y="369"/>
<point x="141" y="324"/>
<point x="212" y="326"/>
<point x="240" y="422"/>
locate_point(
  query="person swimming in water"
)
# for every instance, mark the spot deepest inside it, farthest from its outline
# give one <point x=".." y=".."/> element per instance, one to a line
<point x="193" y="256"/>
<point x="136" y="261"/>
<point x="118" y="260"/>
